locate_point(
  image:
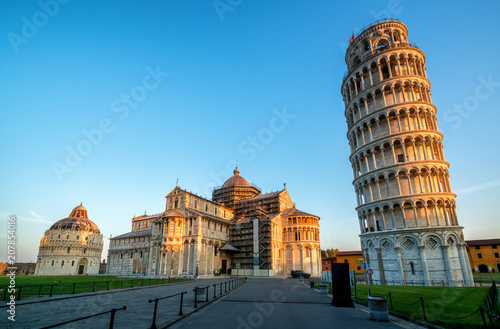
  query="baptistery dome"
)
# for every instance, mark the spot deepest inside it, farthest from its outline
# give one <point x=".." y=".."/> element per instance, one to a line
<point x="72" y="245"/>
<point x="78" y="220"/>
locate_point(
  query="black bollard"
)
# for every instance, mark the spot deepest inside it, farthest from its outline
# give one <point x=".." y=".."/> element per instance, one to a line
<point x="214" y="290"/>
<point x="153" y="325"/>
<point x="182" y="298"/>
<point x="195" y="297"/>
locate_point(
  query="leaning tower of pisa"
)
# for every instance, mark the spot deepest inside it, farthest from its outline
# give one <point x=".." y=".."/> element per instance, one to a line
<point x="406" y="209"/>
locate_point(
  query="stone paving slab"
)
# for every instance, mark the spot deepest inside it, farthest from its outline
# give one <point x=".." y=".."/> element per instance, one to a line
<point x="139" y="313"/>
<point x="281" y="303"/>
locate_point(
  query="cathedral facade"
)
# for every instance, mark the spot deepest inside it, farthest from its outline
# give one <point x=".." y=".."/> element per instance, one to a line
<point x="241" y="231"/>
<point x="409" y="227"/>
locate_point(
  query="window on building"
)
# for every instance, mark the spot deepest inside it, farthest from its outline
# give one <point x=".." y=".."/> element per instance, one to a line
<point x="359" y="268"/>
<point x="412" y="267"/>
<point x="366" y="45"/>
<point x="479" y="255"/>
<point x="478" y="247"/>
<point x="346" y="261"/>
<point x="385" y="73"/>
<point x="69" y="249"/>
<point x="62" y="263"/>
<point x="52" y="263"/>
<point x="73" y="263"/>
<point x="195" y="204"/>
<point x="494" y="246"/>
<point x="121" y="256"/>
<point x="381" y="47"/>
<point x="401" y="158"/>
<point x="85" y="250"/>
<point x="497" y="255"/>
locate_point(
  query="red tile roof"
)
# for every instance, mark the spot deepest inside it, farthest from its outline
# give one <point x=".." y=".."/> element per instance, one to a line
<point x="350" y="253"/>
<point x="482" y="242"/>
<point x="295" y="212"/>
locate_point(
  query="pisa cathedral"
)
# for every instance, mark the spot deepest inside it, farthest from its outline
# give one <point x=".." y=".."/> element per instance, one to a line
<point x="240" y="231"/>
<point x="409" y="227"/>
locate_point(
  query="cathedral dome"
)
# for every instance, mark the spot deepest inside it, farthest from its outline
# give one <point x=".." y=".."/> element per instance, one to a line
<point x="77" y="220"/>
<point x="236" y="180"/>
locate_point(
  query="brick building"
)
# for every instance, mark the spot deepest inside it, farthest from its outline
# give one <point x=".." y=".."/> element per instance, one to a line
<point x="348" y="257"/>
<point x="484" y="255"/>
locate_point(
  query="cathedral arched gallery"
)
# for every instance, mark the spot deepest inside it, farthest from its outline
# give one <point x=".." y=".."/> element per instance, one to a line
<point x="241" y="231"/>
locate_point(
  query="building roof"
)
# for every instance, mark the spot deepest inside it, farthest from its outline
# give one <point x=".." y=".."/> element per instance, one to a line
<point x="173" y="213"/>
<point x="295" y="212"/>
<point x="220" y="219"/>
<point x="349" y="253"/>
<point x="263" y="196"/>
<point x="482" y="242"/>
<point x="236" y="180"/>
<point x="78" y="220"/>
<point x="146" y="216"/>
<point x="228" y="247"/>
<point x="134" y="234"/>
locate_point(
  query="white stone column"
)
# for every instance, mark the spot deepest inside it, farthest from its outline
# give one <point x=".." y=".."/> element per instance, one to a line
<point x="400" y="264"/>
<point x="446" y="260"/>
<point x="423" y="259"/>
<point x="181" y="259"/>
<point x="464" y="264"/>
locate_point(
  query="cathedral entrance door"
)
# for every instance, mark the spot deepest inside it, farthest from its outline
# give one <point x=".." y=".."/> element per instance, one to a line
<point x="224" y="267"/>
<point x="80" y="269"/>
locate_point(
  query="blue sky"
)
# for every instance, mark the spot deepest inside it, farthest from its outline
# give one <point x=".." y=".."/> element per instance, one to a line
<point x="145" y="93"/>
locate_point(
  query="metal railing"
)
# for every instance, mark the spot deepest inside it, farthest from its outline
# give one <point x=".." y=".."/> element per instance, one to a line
<point x="153" y="325"/>
<point x="231" y="284"/>
<point x="111" y="322"/>
<point x="62" y="288"/>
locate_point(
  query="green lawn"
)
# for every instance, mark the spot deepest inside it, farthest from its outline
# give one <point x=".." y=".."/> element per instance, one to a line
<point x="495" y="275"/>
<point x="441" y="303"/>
<point x="33" y="286"/>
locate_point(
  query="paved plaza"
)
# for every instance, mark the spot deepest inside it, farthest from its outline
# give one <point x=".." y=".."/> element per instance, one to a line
<point x="260" y="303"/>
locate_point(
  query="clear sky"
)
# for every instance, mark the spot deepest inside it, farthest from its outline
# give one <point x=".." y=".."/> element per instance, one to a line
<point x="109" y="102"/>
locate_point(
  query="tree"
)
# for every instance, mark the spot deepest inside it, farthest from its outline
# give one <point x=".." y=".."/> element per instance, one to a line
<point x="329" y="253"/>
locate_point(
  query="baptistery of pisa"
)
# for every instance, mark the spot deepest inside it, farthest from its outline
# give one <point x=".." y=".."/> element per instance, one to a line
<point x="72" y="245"/>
